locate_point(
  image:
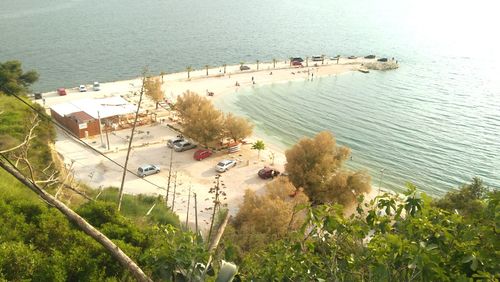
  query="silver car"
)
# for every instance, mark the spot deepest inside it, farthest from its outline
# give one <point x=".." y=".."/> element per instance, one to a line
<point x="224" y="165"/>
<point x="148" y="169"/>
<point x="183" y="146"/>
<point x="173" y="141"/>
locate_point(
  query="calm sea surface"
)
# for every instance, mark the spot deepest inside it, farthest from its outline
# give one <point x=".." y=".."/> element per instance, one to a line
<point x="435" y="121"/>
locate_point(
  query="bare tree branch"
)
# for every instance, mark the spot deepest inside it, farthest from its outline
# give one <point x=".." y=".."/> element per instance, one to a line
<point x="35" y="121"/>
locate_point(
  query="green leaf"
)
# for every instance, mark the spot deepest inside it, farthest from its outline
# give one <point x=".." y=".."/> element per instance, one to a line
<point x="467" y="259"/>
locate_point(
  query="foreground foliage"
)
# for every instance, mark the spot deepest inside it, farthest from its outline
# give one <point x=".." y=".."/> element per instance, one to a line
<point x="392" y="239"/>
<point x="264" y="218"/>
<point x="37" y="243"/>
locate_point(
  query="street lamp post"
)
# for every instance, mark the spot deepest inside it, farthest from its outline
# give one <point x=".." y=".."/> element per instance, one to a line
<point x="100" y="129"/>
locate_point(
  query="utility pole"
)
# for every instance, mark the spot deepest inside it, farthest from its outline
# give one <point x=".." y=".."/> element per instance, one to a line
<point x="107" y="137"/>
<point x="175" y="188"/>
<point x="100" y="128"/>
<point x="195" y="213"/>
<point x="169" y="174"/>
<point x="130" y="142"/>
<point x="189" y="199"/>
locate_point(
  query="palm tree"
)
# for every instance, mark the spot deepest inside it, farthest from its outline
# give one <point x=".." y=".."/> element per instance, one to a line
<point x="307" y="61"/>
<point x="206" y="67"/>
<point x="189" y="69"/>
<point x="274" y="63"/>
<point x="225" y="65"/>
<point x="259" y="146"/>
<point x="322" y="59"/>
<point x="258" y="64"/>
<point x="291" y="58"/>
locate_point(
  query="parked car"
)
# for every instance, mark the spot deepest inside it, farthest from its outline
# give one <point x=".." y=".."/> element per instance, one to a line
<point x="82" y="88"/>
<point x="96" y="86"/>
<point x="148" y="169"/>
<point x="268" y="172"/>
<point x="317" y="58"/>
<point x="202" y="154"/>
<point x="184" y="146"/>
<point x="38" y="95"/>
<point x="61" y="91"/>
<point x="173" y="141"/>
<point x="224" y="165"/>
<point x="242" y="68"/>
<point x="297" y="64"/>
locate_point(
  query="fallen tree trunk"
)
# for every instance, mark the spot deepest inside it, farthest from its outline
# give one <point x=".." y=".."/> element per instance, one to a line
<point x="81" y="223"/>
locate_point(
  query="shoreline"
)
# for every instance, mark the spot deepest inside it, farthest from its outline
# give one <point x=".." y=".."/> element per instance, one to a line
<point x="217" y="81"/>
<point x="151" y="148"/>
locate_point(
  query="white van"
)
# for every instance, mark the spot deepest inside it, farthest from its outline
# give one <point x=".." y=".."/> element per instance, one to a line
<point x="96" y="86"/>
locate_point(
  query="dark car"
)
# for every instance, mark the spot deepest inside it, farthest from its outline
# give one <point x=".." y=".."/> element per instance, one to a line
<point x="202" y="154"/>
<point x="382" y="60"/>
<point x="268" y="172"/>
<point x="242" y="68"/>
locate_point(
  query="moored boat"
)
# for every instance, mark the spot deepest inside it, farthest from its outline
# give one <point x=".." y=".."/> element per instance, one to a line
<point x="363" y="70"/>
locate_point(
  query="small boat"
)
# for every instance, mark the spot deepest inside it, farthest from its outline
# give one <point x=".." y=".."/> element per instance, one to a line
<point x="363" y="70"/>
<point x="370" y="57"/>
<point x="382" y="60"/>
<point x="352" y="57"/>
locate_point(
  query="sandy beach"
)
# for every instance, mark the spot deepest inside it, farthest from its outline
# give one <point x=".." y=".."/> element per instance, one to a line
<point x="149" y="144"/>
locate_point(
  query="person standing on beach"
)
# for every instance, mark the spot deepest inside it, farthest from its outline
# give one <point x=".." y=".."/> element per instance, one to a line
<point x="252" y="78"/>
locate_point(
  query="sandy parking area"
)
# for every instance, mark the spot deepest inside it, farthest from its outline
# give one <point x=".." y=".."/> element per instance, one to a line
<point x="97" y="171"/>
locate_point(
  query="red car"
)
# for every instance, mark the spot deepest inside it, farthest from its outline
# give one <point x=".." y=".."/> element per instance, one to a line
<point x="202" y="154"/>
<point x="268" y="172"/>
<point x="297" y="64"/>
<point x="61" y="91"/>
